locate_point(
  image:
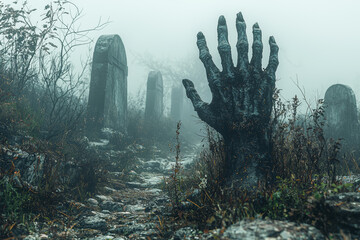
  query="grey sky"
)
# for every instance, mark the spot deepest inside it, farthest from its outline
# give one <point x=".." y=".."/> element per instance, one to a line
<point x="319" y="40"/>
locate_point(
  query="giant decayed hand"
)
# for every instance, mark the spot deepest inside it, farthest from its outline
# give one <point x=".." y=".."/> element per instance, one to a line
<point x="241" y="96"/>
<point x="242" y="93"/>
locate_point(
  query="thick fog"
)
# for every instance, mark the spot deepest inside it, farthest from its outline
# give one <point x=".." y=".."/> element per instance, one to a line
<point x="319" y="40"/>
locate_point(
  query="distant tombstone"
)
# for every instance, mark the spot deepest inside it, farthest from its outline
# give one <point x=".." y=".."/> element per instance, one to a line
<point x="341" y="114"/>
<point x="177" y="101"/>
<point x="154" y="96"/>
<point x="107" y="106"/>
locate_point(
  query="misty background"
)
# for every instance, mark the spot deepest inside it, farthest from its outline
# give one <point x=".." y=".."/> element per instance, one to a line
<point x="319" y="40"/>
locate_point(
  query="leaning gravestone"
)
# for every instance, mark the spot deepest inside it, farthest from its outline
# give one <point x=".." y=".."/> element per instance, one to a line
<point x="341" y="114"/>
<point x="154" y="96"/>
<point x="177" y="100"/>
<point x="107" y="106"/>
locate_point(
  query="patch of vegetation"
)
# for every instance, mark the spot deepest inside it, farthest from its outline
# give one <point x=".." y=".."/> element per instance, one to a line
<point x="174" y="184"/>
<point x="304" y="169"/>
<point x="42" y="115"/>
<point x="20" y="116"/>
<point x="13" y="201"/>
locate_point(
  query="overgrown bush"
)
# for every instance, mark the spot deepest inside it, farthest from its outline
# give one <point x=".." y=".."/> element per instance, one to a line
<point x="41" y="109"/>
<point x="13" y="201"/>
<point x="174" y="183"/>
<point x="19" y="115"/>
<point x="300" y="149"/>
<point x="304" y="170"/>
<point x="65" y="172"/>
<point x="36" y="64"/>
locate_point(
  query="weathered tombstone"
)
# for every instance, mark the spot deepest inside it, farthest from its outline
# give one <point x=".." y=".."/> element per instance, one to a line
<point x="341" y="114"/>
<point x="107" y="106"/>
<point x="154" y="96"/>
<point x="177" y="100"/>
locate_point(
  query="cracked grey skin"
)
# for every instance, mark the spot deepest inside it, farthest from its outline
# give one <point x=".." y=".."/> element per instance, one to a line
<point x="242" y="101"/>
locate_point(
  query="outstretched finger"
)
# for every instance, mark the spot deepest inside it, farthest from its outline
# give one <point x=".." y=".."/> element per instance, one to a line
<point x="212" y="71"/>
<point x="202" y="108"/>
<point x="257" y="48"/>
<point x="273" y="59"/>
<point x="224" y="48"/>
<point x="242" y="44"/>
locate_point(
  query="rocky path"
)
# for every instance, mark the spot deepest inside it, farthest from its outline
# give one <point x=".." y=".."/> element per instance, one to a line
<point x="132" y="209"/>
<point x="130" y="213"/>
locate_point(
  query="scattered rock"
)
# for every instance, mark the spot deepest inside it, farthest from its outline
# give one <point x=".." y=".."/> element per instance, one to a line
<point x="135" y="208"/>
<point x="29" y="165"/>
<point x="272" y="229"/>
<point x="109" y="190"/>
<point x="152" y="180"/>
<point x="30" y="237"/>
<point x="37" y="237"/>
<point x="135" y="185"/>
<point x="116" y="174"/>
<point x="133" y="173"/>
<point x="102" y="238"/>
<point x="184" y="233"/>
<point x="353" y="179"/>
<point x="103" y="214"/>
<point x="135" y="228"/>
<point x="135" y="148"/>
<point x="152" y="166"/>
<point x="154" y="191"/>
<point x="103" y="198"/>
<point x="102" y="143"/>
<point x="93" y="202"/>
<point x="107" y="237"/>
<point x="344" y="210"/>
<point x="111" y="206"/>
<point x="94" y="222"/>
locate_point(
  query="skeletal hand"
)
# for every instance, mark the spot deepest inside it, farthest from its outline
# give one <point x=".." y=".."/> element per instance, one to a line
<point x="241" y="95"/>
